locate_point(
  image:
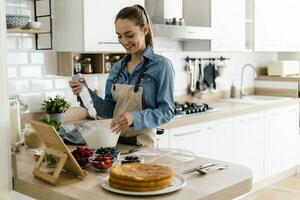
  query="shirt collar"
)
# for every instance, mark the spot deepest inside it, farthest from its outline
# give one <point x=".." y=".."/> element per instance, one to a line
<point x="148" y="53"/>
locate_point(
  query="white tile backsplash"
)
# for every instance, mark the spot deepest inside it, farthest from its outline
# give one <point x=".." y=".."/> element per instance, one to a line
<point x="31" y="71"/>
<point x="62" y="83"/>
<point x="12" y="72"/>
<point x="37" y="58"/>
<point x="11" y="43"/>
<point x="26" y="43"/>
<point x="18" y="86"/>
<point x="41" y="85"/>
<point x="33" y="100"/>
<point x="17" y="58"/>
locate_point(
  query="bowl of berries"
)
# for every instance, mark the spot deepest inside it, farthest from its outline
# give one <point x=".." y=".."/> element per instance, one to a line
<point x="101" y="163"/>
<point x="82" y="155"/>
<point x="108" y="151"/>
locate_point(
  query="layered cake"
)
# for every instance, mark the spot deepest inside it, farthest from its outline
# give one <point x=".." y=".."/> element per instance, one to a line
<point x="141" y="177"/>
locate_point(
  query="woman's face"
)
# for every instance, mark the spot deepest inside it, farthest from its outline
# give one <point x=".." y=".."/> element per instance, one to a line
<point x="131" y="36"/>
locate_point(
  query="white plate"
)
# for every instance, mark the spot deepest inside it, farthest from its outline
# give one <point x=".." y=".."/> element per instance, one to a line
<point x="178" y="183"/>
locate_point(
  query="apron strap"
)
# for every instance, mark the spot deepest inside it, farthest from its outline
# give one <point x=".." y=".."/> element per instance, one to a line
<point x="127" y="57"/>
<point x="137" y="83"/>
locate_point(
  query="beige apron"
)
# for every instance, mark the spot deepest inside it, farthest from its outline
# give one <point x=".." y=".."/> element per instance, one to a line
<point x="128" y="101"/>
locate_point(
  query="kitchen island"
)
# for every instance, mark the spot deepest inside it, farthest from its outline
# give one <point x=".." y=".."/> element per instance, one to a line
<point x="218" y="185"/>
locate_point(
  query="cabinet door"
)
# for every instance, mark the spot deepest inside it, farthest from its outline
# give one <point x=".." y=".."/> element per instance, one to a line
<point x="273" y="143"/>
<point x="222" y="139"/>
<point x="211" y="140"/>
<point x="290" y="28"/>
<point x="290" y="136"/>
<point x="276" y="25"/>
<point x="228" y="23"/>
<point x="163" y="141"/>
<point x="193" y="138"/>
<point x="268" y="25"/>
<point x="249" y="143"/>
<point x="99" y="23"/>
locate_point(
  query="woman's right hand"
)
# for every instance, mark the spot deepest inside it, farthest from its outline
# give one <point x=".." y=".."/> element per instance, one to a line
<point x="76" y="86"/>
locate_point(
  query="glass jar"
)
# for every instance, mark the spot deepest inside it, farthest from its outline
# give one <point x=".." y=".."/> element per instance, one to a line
<point x="87" y="66"/>
<point x="115" y="59"/>
<point x="108" y="65"/>
<point x="15" y="119"/>
<point x="31" y="138"/>
<point x="77" y="65"/>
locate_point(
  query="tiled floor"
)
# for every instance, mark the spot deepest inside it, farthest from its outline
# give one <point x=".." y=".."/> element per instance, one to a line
<point x="288" y="189"/>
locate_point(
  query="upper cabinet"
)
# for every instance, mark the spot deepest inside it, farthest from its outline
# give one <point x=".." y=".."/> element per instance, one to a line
<point x="181" y="20"/>
<point x="215" y="25"/>
<point x="88" y="25"/>
<point x="276" y="25"/>
<point x="229" y="25"/>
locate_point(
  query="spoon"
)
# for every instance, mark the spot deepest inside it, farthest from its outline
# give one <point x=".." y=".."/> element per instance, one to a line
<point x="206" y="170"/>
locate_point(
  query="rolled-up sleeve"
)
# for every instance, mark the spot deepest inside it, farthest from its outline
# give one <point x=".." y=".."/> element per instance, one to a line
<point x="164" y="111"/>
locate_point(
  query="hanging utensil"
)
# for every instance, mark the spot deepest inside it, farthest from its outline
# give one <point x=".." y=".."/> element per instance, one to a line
<point x="191" y="70"/>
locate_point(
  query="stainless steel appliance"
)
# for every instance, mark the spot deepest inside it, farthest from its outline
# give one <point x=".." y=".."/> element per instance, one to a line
<point x="190" y="108"/>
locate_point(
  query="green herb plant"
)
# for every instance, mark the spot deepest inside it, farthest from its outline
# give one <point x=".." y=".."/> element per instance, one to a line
<point x="55" y="105"/>
<point x="53" y="122"/>
<point x="51" y="161"/>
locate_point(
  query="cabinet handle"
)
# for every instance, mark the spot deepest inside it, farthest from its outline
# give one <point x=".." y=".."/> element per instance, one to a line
<point x="188" y="133"/>
<point x="108" y="43"/>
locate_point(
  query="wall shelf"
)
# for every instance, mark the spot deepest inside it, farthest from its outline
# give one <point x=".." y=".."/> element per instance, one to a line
<point x="65" y="62"/>
<point x="29" y="31"/>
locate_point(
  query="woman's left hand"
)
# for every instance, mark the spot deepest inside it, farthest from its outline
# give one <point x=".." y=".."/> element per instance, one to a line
<point x="121" y="122"/>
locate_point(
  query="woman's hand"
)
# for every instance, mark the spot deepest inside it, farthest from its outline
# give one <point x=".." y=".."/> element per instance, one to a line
<point x="122" y="122"/>
<point x="76" y="86"/>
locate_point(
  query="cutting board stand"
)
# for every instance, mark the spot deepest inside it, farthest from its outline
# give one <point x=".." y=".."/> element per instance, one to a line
<point x="53" y="178"/>
<point x="67" y="170"/>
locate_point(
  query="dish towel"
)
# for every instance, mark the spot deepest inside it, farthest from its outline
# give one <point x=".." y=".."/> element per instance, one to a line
<point x="71" y="135"/>
<point x="210" y="75"/>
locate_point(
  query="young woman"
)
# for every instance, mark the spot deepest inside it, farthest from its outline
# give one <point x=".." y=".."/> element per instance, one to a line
<point x="139" y="89"/>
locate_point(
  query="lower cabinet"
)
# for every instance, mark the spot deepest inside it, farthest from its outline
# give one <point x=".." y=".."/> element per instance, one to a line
<point x="163" y="141"/>
<point x="282" y="139"/>
<point x="266" y="142"/>
<point x="211" y="139"/>
<point x="248" y="142"/>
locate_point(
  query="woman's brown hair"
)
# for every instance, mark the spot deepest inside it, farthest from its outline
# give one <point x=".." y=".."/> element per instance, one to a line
<point x="140" y="17"/>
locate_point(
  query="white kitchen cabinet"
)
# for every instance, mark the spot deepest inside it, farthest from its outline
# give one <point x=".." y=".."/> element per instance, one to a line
<point x="211" y="139"/>
<point x="276" y="25"/>
<point x="88" y="25"/>
<point x="281" y="139"/>
<point x="248" y="140"/>
<point x="228" y="22"/>
<point x="163" y="141"/>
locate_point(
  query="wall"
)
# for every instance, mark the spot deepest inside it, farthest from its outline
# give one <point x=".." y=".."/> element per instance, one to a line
<point x="232" y="71"/>
<point x="5" y="180"/>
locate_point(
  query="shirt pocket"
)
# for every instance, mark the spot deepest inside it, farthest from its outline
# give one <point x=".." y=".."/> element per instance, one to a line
<point x="149" y="92"/>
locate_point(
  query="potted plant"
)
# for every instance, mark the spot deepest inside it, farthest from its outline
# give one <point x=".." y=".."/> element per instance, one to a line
<point x="53" y="122"/>
<point x="55" y="107"/>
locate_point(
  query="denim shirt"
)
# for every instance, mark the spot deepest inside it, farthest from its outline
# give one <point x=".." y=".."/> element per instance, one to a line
<point x="158" y="88"/>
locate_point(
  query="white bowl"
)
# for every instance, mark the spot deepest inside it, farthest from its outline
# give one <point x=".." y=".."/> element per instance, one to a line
<point x="99" y="134"/>
<point x="34" y="25"/>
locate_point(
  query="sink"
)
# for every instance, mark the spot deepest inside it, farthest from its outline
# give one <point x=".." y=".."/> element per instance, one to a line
<point x="255" y="99"/>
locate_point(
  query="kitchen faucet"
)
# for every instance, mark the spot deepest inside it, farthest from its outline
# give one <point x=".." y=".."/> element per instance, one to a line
<point x="242" y="77"/>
